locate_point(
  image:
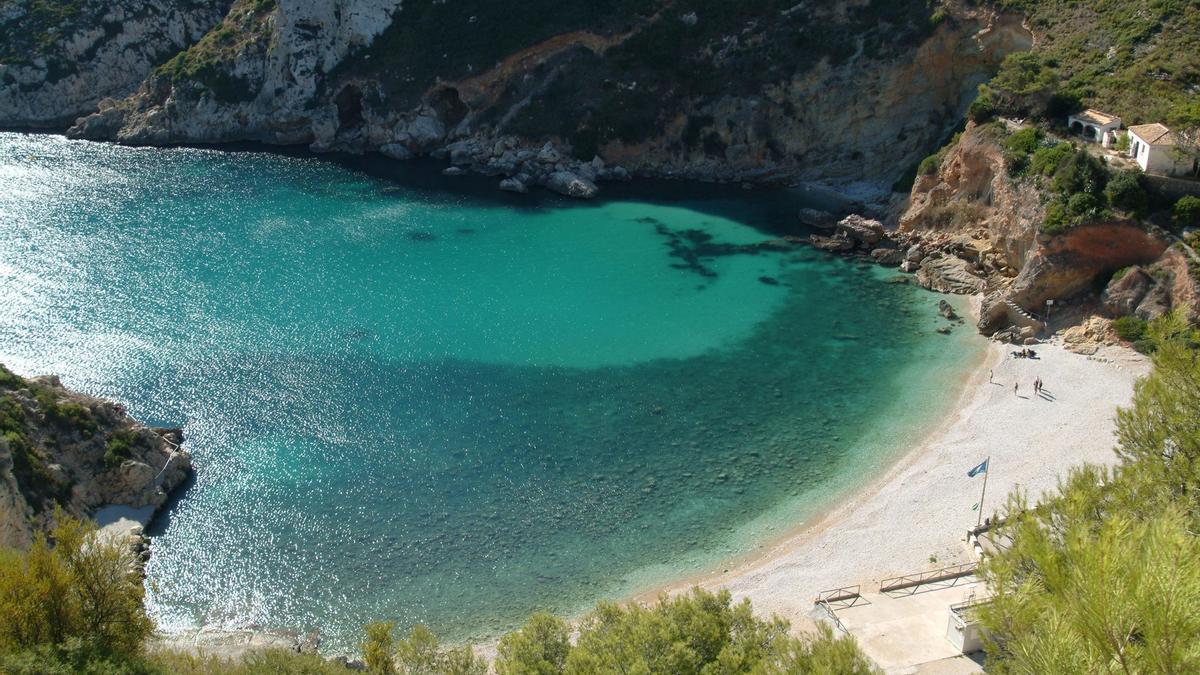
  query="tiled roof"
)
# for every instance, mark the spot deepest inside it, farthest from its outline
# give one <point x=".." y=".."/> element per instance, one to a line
<point x="1096" y="117"/>
<point x="1153" y="134"/>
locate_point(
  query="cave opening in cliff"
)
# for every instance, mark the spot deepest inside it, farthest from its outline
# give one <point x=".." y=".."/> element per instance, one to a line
<point x="349" y="104"/>
<point x="449" y="105"/>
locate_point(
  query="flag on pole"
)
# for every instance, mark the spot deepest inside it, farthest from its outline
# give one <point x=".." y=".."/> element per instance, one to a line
<point x="982" y="468"/>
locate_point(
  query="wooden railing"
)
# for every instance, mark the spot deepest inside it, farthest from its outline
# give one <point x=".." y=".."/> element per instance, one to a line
<point x="839" y="594"/>
<point x="844" y="594"/>
<point x="922" y="578"/>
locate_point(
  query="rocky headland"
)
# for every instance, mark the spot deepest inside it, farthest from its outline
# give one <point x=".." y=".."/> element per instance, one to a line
<point x="60" y="449"/>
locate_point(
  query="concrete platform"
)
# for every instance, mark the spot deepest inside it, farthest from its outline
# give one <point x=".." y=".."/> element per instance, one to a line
<point x="905" y="631"/>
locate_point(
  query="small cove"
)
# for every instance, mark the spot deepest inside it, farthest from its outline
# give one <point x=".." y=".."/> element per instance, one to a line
<point x="414" y="400"/>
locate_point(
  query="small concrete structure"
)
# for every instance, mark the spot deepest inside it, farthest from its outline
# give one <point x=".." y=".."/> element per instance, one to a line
<point x="905" y="631"/>
<point x="1158" y="151"/>
<point x="1094" y="125"/>
<point x="963" y="630"/>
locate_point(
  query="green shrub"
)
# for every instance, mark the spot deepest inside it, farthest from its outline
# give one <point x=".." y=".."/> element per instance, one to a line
<point x="1025" y="141"/>
<point x="930" y="164"/>
<point x="1018" y="147"/>
<point x="538" y="648"/>
<point x="1126" y="192"/>
<point x="83" y="593"/>
<point x="1046" y="161"/>
<point x="1080" y="172"/>
<point x="1186" y="211"/>
<point x="1083" y="205"/>
<point x="1057" y="219"/>
<point x="378" y="648"/>
<point x="982" y="108"/>
<point x="67" y="415"/>
<point x="1025" y="85"/>
<point x="1130" y="328"/>
<point x="9" y="380"/>
<point x="119" y="447"/>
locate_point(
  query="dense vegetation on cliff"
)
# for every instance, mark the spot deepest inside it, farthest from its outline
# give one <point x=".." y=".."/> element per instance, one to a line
<point x="1104" y="575"/>
<point x="33" y="424"/>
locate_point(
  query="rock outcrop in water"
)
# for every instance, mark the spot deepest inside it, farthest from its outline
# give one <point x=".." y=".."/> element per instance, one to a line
<point x="62" y="449"/>
<point x="846" y="92"/>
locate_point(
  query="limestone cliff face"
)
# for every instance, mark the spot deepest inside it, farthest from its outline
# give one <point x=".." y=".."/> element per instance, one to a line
<point x="847" y="92"/>
<point x="62" y="449"/>
<point x="972" y="196"/>
<point x="58" y="60"/>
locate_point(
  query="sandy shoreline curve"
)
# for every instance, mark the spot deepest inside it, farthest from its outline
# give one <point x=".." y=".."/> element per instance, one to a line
<point x="914" y="516"/>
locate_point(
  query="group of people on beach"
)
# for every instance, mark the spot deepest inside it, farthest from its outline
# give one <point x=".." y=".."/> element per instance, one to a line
<point x="1025" y="353"/>
<point x="1037" y="384"/>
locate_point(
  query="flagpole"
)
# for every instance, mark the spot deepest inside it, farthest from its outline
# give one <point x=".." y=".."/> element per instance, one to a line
<point x="983" y="492"/>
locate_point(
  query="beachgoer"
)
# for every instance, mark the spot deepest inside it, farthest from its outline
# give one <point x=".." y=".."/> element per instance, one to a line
<point x="1016" y="388"/>
<point x="989" y="376"/>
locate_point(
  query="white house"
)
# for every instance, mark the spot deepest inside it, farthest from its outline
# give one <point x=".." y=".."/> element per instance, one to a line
<point x="1158" y="151"/>
<point x="1094" y="125"/>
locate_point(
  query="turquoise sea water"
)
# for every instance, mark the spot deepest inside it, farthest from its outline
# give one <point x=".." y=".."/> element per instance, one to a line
<point x="417" y="399"/>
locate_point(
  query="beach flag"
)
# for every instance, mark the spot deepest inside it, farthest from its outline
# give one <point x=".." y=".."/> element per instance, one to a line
<point x="982" y="468"/>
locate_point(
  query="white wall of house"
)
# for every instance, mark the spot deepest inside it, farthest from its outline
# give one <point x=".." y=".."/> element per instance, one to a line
<point x="1089" y="130"/>
<point x="1158" y="159"/>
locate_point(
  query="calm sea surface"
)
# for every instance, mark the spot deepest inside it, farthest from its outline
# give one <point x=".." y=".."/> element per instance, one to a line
<point x="417" y="399"/>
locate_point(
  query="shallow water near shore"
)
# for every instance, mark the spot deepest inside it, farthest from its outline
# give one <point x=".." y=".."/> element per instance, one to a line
<point x="422" y="401"/>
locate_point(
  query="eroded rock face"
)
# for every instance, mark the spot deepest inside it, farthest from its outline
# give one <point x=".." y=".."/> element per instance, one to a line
<point x="949" y="274"/>
<point x="1122" y="296"/>
<point x="58" y="64"/>
<point x="79" y="453"/>
<point x="1068" y="264"/>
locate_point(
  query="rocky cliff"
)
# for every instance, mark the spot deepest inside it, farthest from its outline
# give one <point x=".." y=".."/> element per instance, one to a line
<point x="561" y="93"/>
<point x="63" y="449"/>
<point x="59" y="59"/>
<point x="971" y="209"/>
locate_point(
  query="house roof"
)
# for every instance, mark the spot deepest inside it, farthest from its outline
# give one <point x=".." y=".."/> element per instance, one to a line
<point x="1153" y="134"/>
<point x="1096" y="117"/>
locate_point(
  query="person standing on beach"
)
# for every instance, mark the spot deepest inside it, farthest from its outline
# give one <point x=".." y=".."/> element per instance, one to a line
<point x="989" y="375"/>
<point x="1016" y="388"/>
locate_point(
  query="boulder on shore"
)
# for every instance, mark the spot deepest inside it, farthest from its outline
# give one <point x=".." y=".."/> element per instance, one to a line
<point x="889" y="257"/>
<point x="571" y="185"/>
<point x="949" y="274"/>
<point x="1122" y="296"/>
<point x="860" y="230"/>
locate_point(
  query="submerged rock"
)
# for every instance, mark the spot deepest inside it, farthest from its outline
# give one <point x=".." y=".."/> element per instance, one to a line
<point x="816" y="218"/>
<point x="831" y="244"/>
<point x="514" y="185"/>
<point x="946" y="310"/>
